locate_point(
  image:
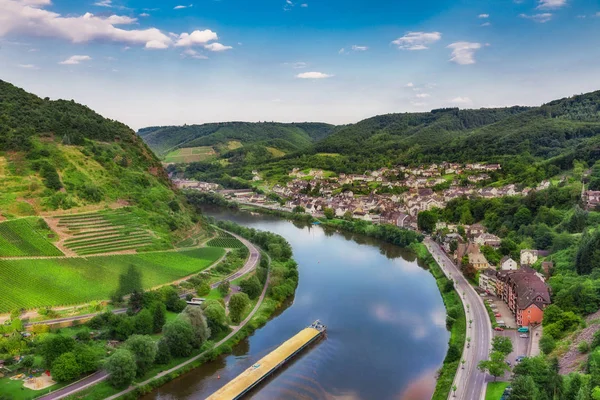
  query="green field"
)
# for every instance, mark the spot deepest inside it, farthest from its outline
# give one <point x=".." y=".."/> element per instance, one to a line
<point x="495" y="389"/>
<point x="66" y="281"/>
<point x="190" y="154"/>
<point x="25" y="237"/>
<point x="105" y="232"/>
<point x="225" y="240"/>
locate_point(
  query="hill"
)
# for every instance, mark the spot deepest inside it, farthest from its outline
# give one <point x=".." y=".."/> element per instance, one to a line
<point x="60" y="155"/>
<point x="278" y="138"/>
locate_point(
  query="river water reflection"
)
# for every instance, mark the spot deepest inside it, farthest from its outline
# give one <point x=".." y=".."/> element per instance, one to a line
<point x="386" y="323"/>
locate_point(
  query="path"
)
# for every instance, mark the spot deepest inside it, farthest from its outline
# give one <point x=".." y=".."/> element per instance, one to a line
<point x="470" y="382"/>
<point x="100" y="376"/>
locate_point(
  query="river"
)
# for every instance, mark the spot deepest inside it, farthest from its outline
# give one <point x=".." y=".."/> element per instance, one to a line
<point x="386" y="334"/>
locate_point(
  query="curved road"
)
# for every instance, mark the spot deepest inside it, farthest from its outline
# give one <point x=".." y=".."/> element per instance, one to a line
<point x="470" y="382"/>
<point x="101" y="375"/>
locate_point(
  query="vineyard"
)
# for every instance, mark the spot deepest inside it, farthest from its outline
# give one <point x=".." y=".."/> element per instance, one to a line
<point x="26" y="237"/>
<point x="225" y="240"/>
<point x="67" y="281"/>
<point x="104" y="232"/>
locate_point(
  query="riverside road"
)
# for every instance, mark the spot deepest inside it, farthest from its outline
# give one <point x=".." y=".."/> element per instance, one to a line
<point x="470" y="382"/>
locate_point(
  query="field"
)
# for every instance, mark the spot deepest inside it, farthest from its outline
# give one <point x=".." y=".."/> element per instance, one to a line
<point x="190" y="154"/>
<point x="66" y="281"/>
<point x="225" y="240"/>
<point x="275" y="152"/>
<point x="26" y="237"/>
<point x="495" y="390"/>
<point x="104" y="232"/>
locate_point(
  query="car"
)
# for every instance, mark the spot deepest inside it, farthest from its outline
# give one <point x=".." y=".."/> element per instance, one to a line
<point x="520" y="358"/>
<point x="508" y="363"/>
<point x="482" y="294"/>
<point x="500" y="322"/>
<point x="498" y="329"/>
<point x="523" y="329"/>
<point x="498" y="315"/>
<point x="524" y="335"/>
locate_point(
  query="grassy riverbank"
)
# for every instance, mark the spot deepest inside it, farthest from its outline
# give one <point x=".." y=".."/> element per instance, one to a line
<point x="457" y="325"/>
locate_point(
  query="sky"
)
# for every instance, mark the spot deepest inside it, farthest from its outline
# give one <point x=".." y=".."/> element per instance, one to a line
<point x="174" y="62"/>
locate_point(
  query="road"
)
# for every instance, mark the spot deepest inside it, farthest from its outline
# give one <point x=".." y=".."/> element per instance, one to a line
<point x="470" y="382"/>
<point x="100" y="376"/>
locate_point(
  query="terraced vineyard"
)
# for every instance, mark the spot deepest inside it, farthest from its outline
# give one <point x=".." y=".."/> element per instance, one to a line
<point x="66" y="281"/>
<point x="26" y="237"/>
<point x="104" y="232"/>
<point x="225" y="240"/>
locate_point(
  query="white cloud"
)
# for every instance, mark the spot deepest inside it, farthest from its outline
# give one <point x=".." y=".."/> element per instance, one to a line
<point x="551" y="4"/>
<point x="463" y="52"/>
<point x="483" y="16"/>
<point x="303" y="5"/>
<point x="217" y="47"/>
<point x="409" y="84"/>
<point x="156" y="44"/>
<point x="191" y="53"/>
<point x="359" y="48"/>
<point x="298" y="64"/>
<point x="181" y="7"/>
<point x="19" y="18"/>
<point x="342" y="51"/>
<point x="144" y="15"/>
<point x="36" y="2"/>
<point x="417" y="40"/>
<point x="28" y="66"/>
<point x="461" y="100"/>
<point x="486" y="24"/>
<point x="541" y="18"/>
<point x="33" y="50"/>
<point x="75" y="60"/>
<point x="196" y="37"/>
<point x="418" y="103"/>
<point x="313" y="75"/>
<point x="104" y="3"/>
<point x="422" y="95"/>
<point x="598" y="14"/>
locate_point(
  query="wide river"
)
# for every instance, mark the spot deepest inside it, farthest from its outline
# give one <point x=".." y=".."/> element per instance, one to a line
<point x="386" y="334"/>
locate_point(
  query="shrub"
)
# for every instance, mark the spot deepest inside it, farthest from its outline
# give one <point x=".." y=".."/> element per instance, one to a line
<point x="121" y="367"/>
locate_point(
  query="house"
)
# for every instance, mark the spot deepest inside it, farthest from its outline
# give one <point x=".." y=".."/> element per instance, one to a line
<point x="547" y="267"/>
<point x="465" y="249"/>
<point x="529" y="257"/>
<point x="591" y="199"/>
<point x="488" y="280"/>
<point x="487" y="239"/>
<point x="526" y="295"/>
<point x="508" y="264"/>
<point x="475" y="230"/>
<point x="478" y="261"/>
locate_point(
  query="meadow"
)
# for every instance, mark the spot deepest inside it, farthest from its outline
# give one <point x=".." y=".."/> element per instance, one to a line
<point x="26" y="237"/>
<point x="190" y="154"/>
<point x="67" y="281"/>
<point x="225" y="240"/>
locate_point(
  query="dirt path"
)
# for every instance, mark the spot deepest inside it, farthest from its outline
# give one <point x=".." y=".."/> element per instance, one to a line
<point x="572" y="360"/>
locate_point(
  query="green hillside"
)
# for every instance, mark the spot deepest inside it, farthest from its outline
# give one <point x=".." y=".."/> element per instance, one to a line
<point x="286" y="137"/>
<point x="60" y="155"/>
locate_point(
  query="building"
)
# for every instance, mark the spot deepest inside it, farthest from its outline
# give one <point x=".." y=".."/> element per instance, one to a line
<point x="478" y="261"/>
<point x="475" y="230"/>
<point x="507" y="264"/>
<point x="487" y="239"/>
<point x="529" y="257"/>
<point x="591" y="199"/>
<point x="488" y="281"/>
<point x="526" y="295"/>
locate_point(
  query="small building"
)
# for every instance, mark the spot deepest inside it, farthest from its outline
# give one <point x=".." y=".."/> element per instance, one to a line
<point x="475" y="230"/>
<point x="529" y="257"/>
<point x="487" y="239"/>
<point x="488" y="281"/>
<point x="478" y="261"/>
<point x="508" y="264"/>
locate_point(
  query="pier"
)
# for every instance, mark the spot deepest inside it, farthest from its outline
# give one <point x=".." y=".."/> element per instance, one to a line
<point x="262" y="369"/>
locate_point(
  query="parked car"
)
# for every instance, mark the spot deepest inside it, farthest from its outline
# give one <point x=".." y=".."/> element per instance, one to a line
<point x="523" y="329"/>
<point x="498" y="315"/>
<point x="520" y="358"/>
<point x="498" y="329"/>
<point x="500" y="322"/>
<point x="482" y="294"/>
<point x="524" y="335"/>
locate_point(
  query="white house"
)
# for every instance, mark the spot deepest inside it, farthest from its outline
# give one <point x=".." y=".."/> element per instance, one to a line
<point x="508" y="263"/>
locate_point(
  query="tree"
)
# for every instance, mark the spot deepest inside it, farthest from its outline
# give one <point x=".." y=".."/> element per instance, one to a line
<point x="28" y="361"/>
<point x="129" y="282"/>
<point x="426" y="221"/>
<point x="298" y="210"/>
<point x="522" y="217"/>
<point x="163" y="353"/>
<point x="87" y="357"/>
<point x="216" y="318"/>
<point x="237" y="305"/>
<point x="547" y="344"/>
<point x="143" y="348"/>
<point x="203" y="289"/>
<point x="136" y="301"/>
<point x="121" y="367"/>
<point x="329" y="212"/>
<point x="143" y="323"/>
<point x="53" y="346"/>
<point x="495" y="366"/>
<point x="158" y="317"/>
<point x="180" y="337"/>
<point x="251" y="287"/>
<point x="502" y="344"/>
<point x="65" y="368"/>
<point x="195" y="316"/>
<point x="224" y="287"/>
<point x="524" y="388"/>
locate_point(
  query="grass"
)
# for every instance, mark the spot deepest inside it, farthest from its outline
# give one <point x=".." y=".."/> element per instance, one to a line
<point x="190" y="154"/>
<point x="495" y="389"/>
<point x="66" y="281"/>
<point x="14" y="390"/>
<point x="25" y="237"/>
<point x="275" y="152"/>
<point x="225" y="240"/>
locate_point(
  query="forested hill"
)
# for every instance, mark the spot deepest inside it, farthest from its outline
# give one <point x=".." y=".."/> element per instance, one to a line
<point x="286" y="137"/>
<point x="62" y="155"/>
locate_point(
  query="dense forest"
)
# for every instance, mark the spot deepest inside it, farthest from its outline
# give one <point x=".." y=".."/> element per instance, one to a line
<point x="287" y="137"/>
<point x="61" y="155"/>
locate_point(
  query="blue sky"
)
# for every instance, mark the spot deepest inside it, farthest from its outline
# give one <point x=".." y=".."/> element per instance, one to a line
<point x="174" y="62"/>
